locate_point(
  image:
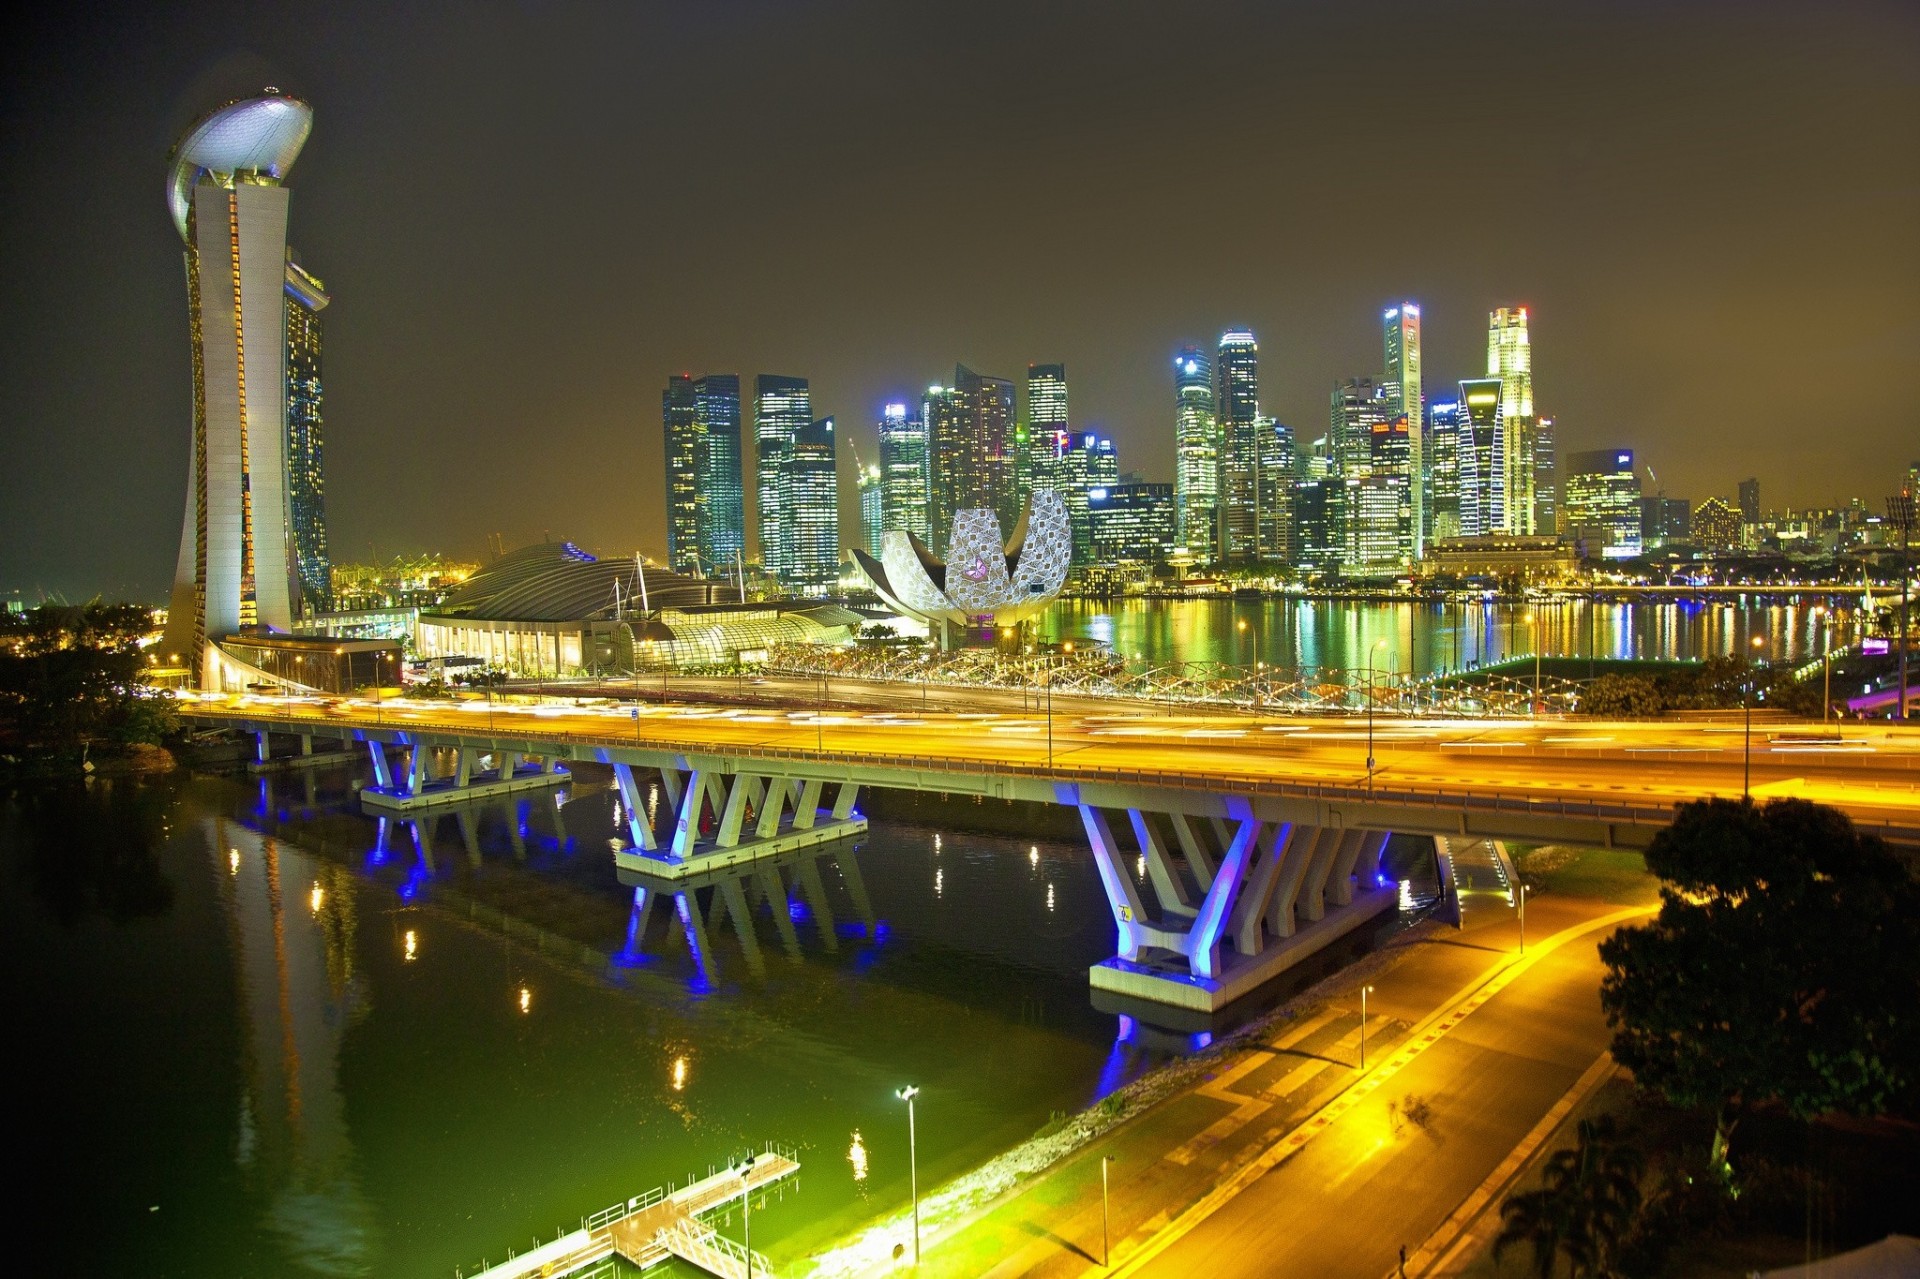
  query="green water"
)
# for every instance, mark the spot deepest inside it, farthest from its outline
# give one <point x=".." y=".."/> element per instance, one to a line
<point x="265" y="1037"/>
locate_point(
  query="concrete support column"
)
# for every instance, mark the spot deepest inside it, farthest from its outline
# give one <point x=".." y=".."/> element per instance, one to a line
<point x="306" y="743"/>
<point x="419" y="769"/>
<point x="772" y="805"/>
<point x="1286" y="891"/>
<point x="262" y="745"/>
<point x="1210" y="923"/>
<point x="686" y="827"/>
<point x="1249" y="913"/>
<point x="463" y="770"/>
<point x="639" y="829"/>
<point x="1366" y="862"/>
<point x="1121" y="897"/>
<point x="733" y="812"/>
<point x="1168" y="887"/>
<point x="1193" y="849"/>
<point x="844" y="801"/>
<point x="382" y="771"/>
<point x="806" y="810"/>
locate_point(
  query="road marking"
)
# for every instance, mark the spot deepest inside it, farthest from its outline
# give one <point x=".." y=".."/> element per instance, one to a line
<point x="1419" y="1039"/>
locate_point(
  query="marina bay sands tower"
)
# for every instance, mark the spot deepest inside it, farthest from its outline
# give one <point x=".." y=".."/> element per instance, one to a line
<point x="239" y="564"/>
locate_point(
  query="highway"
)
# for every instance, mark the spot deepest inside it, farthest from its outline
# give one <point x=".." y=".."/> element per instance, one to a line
<point x="1870" y="770"/>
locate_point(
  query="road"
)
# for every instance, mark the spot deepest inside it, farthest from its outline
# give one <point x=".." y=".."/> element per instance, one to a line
<point x="1345" y="1204"/>
<point x="1871" y="771"/>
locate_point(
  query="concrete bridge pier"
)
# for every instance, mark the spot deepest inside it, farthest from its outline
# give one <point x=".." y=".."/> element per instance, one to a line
<point x="729" y="817"/>
<point x="421" y="786"/>
<point x="1249" y="898"/>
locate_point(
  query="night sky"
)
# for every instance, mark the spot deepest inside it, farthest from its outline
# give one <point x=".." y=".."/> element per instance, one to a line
<point x="529" y="214"/>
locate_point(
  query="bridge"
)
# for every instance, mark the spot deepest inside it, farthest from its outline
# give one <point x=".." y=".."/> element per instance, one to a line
<point x="1230" y="847"/>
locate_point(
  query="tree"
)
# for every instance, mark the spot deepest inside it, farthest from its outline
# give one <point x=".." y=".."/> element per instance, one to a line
<point x="1585" y="1205"/>
<point x="1783" y="967"/>
<point x="1621" y="697"/>
<point x="71" y="680"/>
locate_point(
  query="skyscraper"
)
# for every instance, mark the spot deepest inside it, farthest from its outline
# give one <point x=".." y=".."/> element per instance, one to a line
<point x="903" y="471"/>
<point x="680" y="429"/>
<point x="1444" y="422"/>
<point x="1046" y="426"/>
<point x="1236" y="397"/>
<point x="306" y="441"/>
<point x="1402" y="385"/>
<point x="811" y="493"/>
<point x="1355" y="408"/>
<point x="1546" y="477"/>
<point x="970" y="459"/>
<point x="723" y="494"/>
<point x="1603" y="503"/>
<point x="1482" y="460"/>
<point x="1510" y="359"/>
<point x="1274" y="492"/>
<point x="1131" y="522"/>
<point x="1750" y="501"/>
<point x="872" y="510"/>
<point x="1196" y="465"/>
<point x="1085" y="462"/>
<point x="237" y="563"/>
<point x="782" y="408"/>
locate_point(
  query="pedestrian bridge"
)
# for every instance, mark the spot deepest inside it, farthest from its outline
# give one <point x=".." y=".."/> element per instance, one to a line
<point x="1259" y="838"/>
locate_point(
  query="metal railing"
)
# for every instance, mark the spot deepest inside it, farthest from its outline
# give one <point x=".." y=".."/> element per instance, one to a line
<point x="709" y="1249"/>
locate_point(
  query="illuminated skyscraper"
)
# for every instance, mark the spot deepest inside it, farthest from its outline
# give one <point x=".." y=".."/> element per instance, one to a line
<point x="811" y="493"/>
<point x="1085" y="462"/>
<point x="237" y="563"/>
<point x="1196" y="443"/>
<point x="1274" y="492"/>
<point x="1510" y="359"/>
<point x="1236" y="397"/>
<point x="872" y="509"/>
<point x="306" y="441"/>
<point x="1402" y="386"/>
<point x="680" y="429"/>
<point x="1603" y="503"/>
<point x="1131" y="522"/>
<point x="1482" y="460"/>
<point x="903" y="471"/>
<point x="1355" y="408"/>
<point x="1546" y="477"/>
<point x="1750" y="501"/>
<point x="723" y="490"/>
<point x="1046" y="426"/>
<point x="1444" y="423"/>
<point x="970" y="458"/>
<point x="782" y="408"/>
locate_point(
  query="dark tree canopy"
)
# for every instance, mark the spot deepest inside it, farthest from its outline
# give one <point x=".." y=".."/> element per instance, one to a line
<point x="1783" y="967"/>
<point x="71" y="679"/>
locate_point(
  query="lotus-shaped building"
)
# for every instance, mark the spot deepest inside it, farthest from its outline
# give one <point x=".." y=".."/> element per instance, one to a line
<point x="982" y="581"/>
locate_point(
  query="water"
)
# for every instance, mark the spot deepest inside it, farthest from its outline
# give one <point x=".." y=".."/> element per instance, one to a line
<point x="264" y="1035"/>
<point x="1432" y="635"/>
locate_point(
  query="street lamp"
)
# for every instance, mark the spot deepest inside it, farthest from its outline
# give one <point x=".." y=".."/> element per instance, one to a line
<point x="1900" y="512"/>
<point x="1364" y="992"/>
<point x="907" y="1095"/>
<point x="746" y="1184"/>
<point x="1825" y="615"/>
<point x="1746" y="740"/>
<point x="1520" y="900"/>
<point x="1377" y="646"/>
<point x="1533" y="634"/>
<point x="1106" y="1247"/>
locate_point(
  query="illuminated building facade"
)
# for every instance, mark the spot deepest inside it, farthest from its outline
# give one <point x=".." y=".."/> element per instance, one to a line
<point x="1750" y="501"/>
<point x="1355" y="408"/>
<point x="306" y="441"/>
<point x="1319" y="523"/>
<point x="237" y="564"/>
<point x="680" y="429"/>
<point x="1482" y="460"/>
<point x="970" y="450"/>
<point x="1196" y="443"/>
<point x="1381" y="508"/>
<point x="1510" y="361"/>
<point x="872" y="508"/>
<point x="782" y="408"/>
<point x="1546" y="477"/>
<point x="1132" y="523"/>
<point x="1274" y="492"/>
<point x="1082" y="462"/>
<point x="811" y="492"/>
<point x="1444" y="421"/>
<point x="1716" y="524"/>
<point x="1603" y="503"/>
<point x="723" y="490"/>
<point x="1044" y="428"/>
<point x="1401" y="327"/>
<point x="1236" y="398"/>
<point x="903" y="470"/>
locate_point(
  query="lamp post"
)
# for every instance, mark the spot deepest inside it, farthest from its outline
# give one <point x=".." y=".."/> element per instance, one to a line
<point x="1825" y="615"/>
<point x="1106" y="1248"/>
<point x="907" y="1095"/>
<point x="1520" y="900"/>
<point x="1533" y="634"/>
<point x="746" y="1185"/>
<point x="1746" y="739"/>
<point x="1900" y="515"/>
<point x="1364" y="992"/>
<point x="379" y="666"/>
<point x="1377" y="646"/>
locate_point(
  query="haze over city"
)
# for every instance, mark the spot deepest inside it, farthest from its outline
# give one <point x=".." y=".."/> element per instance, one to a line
<point x="528" y="217"/>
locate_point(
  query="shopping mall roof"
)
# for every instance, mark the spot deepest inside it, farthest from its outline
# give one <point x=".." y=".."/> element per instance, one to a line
<point x="559" y="582"/>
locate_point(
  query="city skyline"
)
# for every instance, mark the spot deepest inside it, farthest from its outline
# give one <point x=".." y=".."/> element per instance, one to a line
<point x="494" y="336"/>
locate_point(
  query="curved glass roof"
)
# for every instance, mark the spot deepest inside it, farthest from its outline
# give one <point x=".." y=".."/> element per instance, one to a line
<point x="251" y="135"/>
